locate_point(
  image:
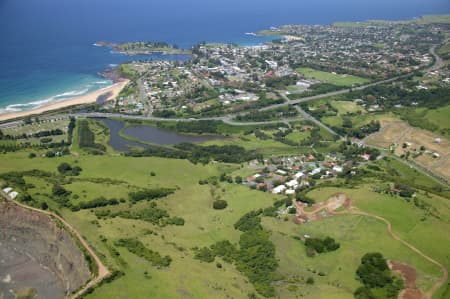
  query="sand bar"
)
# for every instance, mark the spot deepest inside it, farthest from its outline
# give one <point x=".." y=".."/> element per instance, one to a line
<point x="109" y="92"/>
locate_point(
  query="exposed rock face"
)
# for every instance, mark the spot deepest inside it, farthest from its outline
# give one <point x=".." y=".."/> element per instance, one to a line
<point x="35" y="253"/>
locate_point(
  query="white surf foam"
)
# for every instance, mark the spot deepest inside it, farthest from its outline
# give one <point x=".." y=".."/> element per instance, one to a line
<point x="35" y="104"/>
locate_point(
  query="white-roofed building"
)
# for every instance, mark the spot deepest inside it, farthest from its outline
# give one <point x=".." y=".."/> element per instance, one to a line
<point x="13" y="194"/>
<point x="315" y="171"/>
<point x="7" y="190"/>
<point x="338" y="168"/>
<point x="298" y="175"/>
<point x="292" y="184"/>
<point x="279" y="189"/>
<point x="290" y="192"/>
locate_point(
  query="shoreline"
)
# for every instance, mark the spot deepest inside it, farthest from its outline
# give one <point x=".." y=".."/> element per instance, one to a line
<point x="91" y="97"/>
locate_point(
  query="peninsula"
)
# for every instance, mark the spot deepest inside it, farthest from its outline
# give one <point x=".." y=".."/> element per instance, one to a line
<point x="144" y="48"/>
<point x="314" y="166"/>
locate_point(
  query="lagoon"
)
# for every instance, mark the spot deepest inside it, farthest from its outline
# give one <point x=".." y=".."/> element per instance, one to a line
<point x="147" y="134"/>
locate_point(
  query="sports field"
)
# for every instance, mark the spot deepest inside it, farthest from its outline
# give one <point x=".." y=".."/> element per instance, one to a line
<point x="332" y="78"/>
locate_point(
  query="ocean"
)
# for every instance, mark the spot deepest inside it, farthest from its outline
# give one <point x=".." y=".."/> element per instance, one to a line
<point x="47" y="52"/>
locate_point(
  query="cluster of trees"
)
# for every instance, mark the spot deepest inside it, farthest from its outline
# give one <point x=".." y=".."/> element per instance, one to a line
<point x="138" y="248"/>
<point x="259" y="116"/>
<point x="65" y="169"/>
<point x="323" y="110"/>
<point x="348" y="130"/>
<point x="315" y="137"/>
<point x="199" y="154"/>
<point x="317" y="245"/>
<point x="56" y="152"/>
<point x="225" y="153"/>
<point x="375" y="275"/>
<point x="352" y="151"/>
<point x="281" y="82"/>
<point x="389" y="96"/>
<point x="261" y="135"/>
<point x="305" y="199"/>
<point x="249" y="221"/>
<point x="255" y="258"/>
<point x="164" y="113"/>
<point x="404" y="190"/>
<point x="95" y="203"/>
<point x="150" y="194"/>
<point x="220" y="204"/>
<point x="198" y="127"/>
<point x="61" y="196"/>
<point x="55" y="132"/>
<point x="86" y="139"/>
<point x="57" y="147"/>
<point x="13" y="178"/>
<point x="151" y="214"/>
<point x="70" y="128"/>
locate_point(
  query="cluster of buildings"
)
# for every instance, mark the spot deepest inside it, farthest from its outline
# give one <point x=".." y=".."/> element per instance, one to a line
<point x="220" y="76"/>
<point x="368" y="49"/>
<point x="288" y="175"/>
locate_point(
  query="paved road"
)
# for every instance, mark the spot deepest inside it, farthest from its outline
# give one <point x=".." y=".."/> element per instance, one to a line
<point x="438" y="61"/>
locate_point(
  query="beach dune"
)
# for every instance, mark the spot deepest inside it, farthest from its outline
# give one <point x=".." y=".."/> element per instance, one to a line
<point x="107" y="93"/>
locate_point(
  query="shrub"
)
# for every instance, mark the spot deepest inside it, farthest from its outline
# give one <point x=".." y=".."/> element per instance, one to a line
<point x="220" y="204"/>
<point x="136" y="247"/>
<point x="149" y="194"/>
<point x="205" y="255"/>
<point x="321" y="245"/>
<point x="249" y="221"/>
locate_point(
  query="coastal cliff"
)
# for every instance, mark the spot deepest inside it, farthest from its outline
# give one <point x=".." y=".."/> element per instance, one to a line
<point x="37" y="256"/>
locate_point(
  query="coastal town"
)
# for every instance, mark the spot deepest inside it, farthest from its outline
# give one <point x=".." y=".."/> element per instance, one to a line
<point x="316" y="165"/>
<point x="229" y="78"/>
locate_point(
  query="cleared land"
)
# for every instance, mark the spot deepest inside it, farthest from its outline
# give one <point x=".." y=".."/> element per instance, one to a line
<point x="432" y="151"/>
<point x="336" y="79"/>
<point x="344" y="107"/>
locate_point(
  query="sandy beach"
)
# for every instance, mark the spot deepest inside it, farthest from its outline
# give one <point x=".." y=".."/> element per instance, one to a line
<point x="109" y="92"/>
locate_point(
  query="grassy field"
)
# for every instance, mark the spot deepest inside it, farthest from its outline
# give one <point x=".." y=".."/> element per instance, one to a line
<point x="410" y="222"/>
<point x="358" y="120"/>
<point x="345" y="107"/>
<point x="113" y="175"/>
<point x="36" y="127"/>
<point x="336" y="79"/>
<point x="440" y="117"/>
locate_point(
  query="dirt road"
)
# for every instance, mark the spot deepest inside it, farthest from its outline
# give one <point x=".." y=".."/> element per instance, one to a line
<point x="340" y="200"/>
<point x="439" y="283"/>
<point x="103" y="271"/>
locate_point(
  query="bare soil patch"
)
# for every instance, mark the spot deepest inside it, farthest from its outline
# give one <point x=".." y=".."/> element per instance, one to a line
<point x="322" y="209"/>
<point x="435" y="156"/>
<point x="409" y="276"/>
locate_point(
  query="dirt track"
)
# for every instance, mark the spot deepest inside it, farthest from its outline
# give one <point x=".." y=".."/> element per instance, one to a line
<point x="103" y="271"/>
<point x="438" y="284"/>
<point x="340" y="200"/>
